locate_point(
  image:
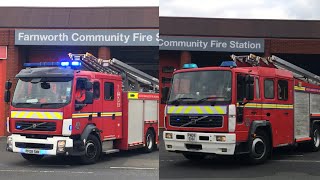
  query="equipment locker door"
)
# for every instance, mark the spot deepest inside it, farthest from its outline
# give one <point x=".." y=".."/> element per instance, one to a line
<point x="112" y="114"/>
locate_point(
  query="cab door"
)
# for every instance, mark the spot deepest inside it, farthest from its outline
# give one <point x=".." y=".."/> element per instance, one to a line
<point x="112" y="110"/>
<point x="251" y="110"/>
<point x="284" y="110"/>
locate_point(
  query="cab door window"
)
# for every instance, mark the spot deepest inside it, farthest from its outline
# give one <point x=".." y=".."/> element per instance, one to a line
<point x="108" y="91"/>
<point x="269" y="89"/>
<point x="283" y="90"/>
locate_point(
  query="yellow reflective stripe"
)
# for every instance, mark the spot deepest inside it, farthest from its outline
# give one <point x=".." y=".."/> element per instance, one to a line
<point x="299" y="88"/>
<point x="179" y="109"/>
<point x="39" y="115"/>
<point x="13" y="114"/>
<point x="273" y="106"/>
<point x="219" y="109"/>
<point x="48" y="115"/>
<point x="188" y="109"/>
<point x="133" y="95"/>
<point x="21" y="114"/>
<point x="29" y="114"/>
<point x="198" y="109"/>
<point x="171" y="109"/>
<point x="208" y="110"/>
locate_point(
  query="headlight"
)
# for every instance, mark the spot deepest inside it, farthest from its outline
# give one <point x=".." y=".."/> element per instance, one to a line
<point x="61" y="146"/>
<point x="221" y="138"/>
<point x="9" y="142"/>
<point x="168" y="135"/>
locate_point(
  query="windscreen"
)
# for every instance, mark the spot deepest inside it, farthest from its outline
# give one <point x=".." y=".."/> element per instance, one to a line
<point x="51" y="93"/>
<point x="201" y="86"/>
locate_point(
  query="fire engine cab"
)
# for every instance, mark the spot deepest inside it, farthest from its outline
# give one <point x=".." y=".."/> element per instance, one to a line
<point x="246" y="106"/>
<point x="83" y="106"/>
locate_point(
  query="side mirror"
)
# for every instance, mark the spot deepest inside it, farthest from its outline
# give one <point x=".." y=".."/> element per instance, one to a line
<point x="165" y="93"/>
<point x="8" y="85"/>
<point x="7" y="96"/>
<point x="88" y="85"/>
<point x="89" y="98"/>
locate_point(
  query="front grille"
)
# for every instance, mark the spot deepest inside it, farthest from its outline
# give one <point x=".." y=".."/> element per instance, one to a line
<point x="33" y="145"/>
<point x="36" y="126"/>
<point x="208" y="122"/>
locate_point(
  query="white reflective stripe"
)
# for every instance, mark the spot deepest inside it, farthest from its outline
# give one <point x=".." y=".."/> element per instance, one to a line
<point x="67" y="127"/>
<point x="232" y="118"/>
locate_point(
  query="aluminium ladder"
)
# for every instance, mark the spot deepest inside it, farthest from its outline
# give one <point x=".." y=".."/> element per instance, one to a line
<point x="133" y="78"/>
<point x="276" y="62"/>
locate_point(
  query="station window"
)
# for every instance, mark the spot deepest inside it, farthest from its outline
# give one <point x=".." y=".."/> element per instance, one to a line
<point x="96" y="90"/>
<point x="283" y="90"/>
<point x="268" y="89"/>
<point x="108" y="91"/>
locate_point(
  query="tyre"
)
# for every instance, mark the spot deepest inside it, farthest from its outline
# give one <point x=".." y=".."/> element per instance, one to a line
<point x="194" y="156"/>
<point x="149" y="141"/>
<point x="315" y="136"/>
<point x="260" y="148"/>
<point x="32" y="157"/>
<point x="92" y="150"/>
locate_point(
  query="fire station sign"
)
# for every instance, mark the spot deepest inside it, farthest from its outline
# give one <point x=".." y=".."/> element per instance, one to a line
<point x="211" y="44"/>
<point x="72" y="37"/>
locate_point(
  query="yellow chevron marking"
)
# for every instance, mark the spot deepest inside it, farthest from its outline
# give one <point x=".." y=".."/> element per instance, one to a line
<point x="13" y="114"/>
<point x="29" y="114"/>
<point x="179" y="109"/>
<point x="188" y="109"/>
<point x="198" y="109"/>
<point x="208" y="109"/>
<point x="21" y="114"/>
<point x="171" y="109"/>
<point x="39" y="115"/>
<point x="219" y="109"/>
<point x="58" y="115"/>
<point x="48" y="115"/>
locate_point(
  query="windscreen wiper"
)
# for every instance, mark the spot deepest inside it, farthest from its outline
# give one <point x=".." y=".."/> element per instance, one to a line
<point x="177" y="101"/>
<point x="207" y="98"/>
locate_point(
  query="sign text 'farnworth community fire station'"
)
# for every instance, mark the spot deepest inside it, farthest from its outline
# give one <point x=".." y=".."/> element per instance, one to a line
<point x="135" y="37"/>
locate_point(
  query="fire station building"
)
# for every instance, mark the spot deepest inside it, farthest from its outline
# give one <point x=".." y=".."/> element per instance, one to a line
<point x="208" y="42"/>
<point x="49" y="34"/>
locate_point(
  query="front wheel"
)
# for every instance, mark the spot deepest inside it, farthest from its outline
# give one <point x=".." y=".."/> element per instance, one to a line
<point x="149" y="141"/>
<point x="315" y="136"/>
<point x="92" y="150"/>
<point x="32" y="157"/>
<point x="259" y="148"/>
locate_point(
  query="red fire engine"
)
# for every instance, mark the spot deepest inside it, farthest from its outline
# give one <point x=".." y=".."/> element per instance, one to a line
<point x="65" y="110"/>
<point x="246" y="106"/>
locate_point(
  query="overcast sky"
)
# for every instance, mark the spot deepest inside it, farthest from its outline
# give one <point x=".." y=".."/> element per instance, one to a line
<point x="78" y="3"/>
<point x="253" y="9"/>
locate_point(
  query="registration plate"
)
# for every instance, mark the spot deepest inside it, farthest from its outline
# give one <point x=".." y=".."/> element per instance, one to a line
<point x="31" y="151"/>
<point x="191" y="136"/>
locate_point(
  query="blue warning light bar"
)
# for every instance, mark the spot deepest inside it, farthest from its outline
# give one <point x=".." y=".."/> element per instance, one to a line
<point x="74" y="64"/>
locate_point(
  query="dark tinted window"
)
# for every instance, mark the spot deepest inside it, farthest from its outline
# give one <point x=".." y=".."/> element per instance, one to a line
<point x="108" y="91"/>
<point x="268" y="89"/>
<point x="283" y="90"/>
<point x="96" y="90"/>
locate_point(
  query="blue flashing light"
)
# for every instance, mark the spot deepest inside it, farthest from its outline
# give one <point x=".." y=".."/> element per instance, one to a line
<point x="75" y="63"/>
<point x="189" y="66"/>
<point x="228" y="64"/>
<point x="70" y="127"/>
<point x="64" y="63"/>
<point x="18" y="127"/>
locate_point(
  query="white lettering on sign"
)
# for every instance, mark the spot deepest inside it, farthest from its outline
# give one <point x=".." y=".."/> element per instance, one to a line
<point x="42" y="37"/>
<point x="247" y="45"/>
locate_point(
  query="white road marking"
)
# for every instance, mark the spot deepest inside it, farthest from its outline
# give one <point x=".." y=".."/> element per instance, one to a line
<point x="299" y="161"/>
<point x="134" y="168"/>
<point x="293" y="155"/>
<point x="43" y="171"/>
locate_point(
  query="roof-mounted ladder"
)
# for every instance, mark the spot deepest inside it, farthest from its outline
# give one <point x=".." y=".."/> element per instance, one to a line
<point x="276" y="62"/>
<point x="134" y="79"/>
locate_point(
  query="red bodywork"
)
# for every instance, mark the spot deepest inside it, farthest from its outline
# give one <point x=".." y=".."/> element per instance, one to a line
<point x="281" y="119"/>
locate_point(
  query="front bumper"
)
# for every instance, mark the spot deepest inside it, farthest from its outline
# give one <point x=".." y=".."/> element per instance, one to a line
<point x="36" y="146"/>
<point x="202" y="143"/>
